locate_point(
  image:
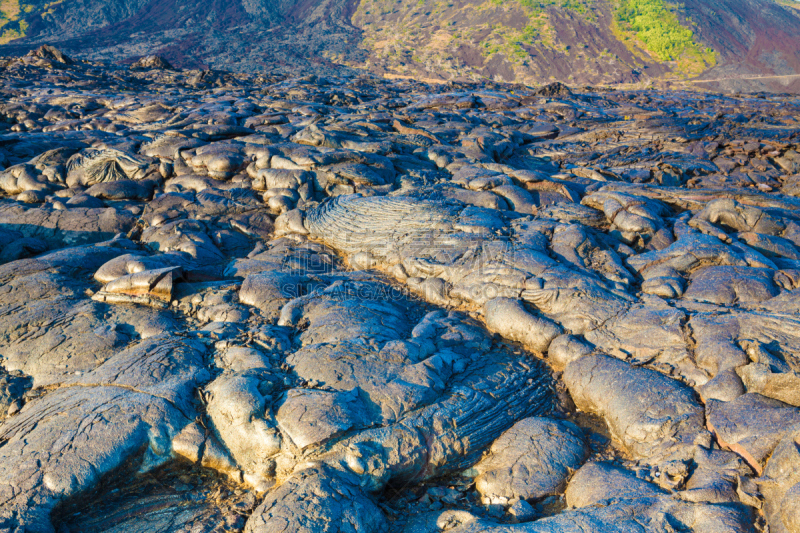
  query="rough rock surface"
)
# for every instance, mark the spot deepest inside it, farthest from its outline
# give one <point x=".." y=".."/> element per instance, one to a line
<point x="530" y="461"/>
<point x="236" y="303"/>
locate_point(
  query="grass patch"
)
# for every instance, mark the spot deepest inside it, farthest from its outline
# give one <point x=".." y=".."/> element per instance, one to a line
<point x="511" y="42"/>
<point x="13" y="15"/>
<point x="651" y="25"/>
<point x="12" y="26"/>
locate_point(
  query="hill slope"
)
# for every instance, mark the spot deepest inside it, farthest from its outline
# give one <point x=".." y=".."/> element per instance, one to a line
<point x="530" y="41"/>
<point x="281" y="36"/>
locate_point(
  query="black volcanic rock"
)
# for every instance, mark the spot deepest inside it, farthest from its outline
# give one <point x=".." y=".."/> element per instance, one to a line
<point x="48" y="53"/>
<point x="553" y="89"/>
<point x="152" y="62"/>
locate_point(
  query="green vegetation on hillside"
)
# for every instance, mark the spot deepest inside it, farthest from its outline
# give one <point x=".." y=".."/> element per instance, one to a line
<point x="462" y="37"/>
<point x="537" y="6"/>
<point x="11" y="24"/>
<point x="510" y="42"/>
<point x="658" y="30"/>
<point x="491" y="26"/>
<point x="789" y="3"/>
<point x="13" y="14"/>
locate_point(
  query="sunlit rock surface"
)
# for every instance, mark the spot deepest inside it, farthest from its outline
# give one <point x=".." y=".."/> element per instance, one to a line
<point x="236" y="303"/>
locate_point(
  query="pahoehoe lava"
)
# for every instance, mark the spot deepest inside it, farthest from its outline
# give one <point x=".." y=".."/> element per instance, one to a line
<point x="235" y="302"/>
